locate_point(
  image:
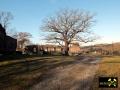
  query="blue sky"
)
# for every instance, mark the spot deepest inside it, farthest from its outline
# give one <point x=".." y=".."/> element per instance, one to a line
<point x="29" y="14"/>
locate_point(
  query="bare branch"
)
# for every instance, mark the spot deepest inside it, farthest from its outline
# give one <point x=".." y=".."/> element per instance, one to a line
<point x="67" y="25"/>
<point x="5" y="18"/>
<point x="23" y="38"/>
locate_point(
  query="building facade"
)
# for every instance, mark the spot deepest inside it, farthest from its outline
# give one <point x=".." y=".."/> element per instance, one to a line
<point x="73" y="49"/>
<point x="7" y="43"/>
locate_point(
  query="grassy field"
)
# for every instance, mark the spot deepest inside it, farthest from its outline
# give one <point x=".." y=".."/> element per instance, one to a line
<point x="109" y="66"/>
<point x="22" y="74"/>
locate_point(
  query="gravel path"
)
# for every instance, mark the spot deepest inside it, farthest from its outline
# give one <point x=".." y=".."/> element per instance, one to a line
<point x="77" y="76"/>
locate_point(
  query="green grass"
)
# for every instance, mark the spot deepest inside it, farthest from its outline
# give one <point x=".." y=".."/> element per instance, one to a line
<point x="23" y="73"/>
<point x="110" y="67"/>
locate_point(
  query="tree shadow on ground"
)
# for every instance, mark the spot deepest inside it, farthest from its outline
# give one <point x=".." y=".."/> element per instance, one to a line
<point x="24" y="74"/>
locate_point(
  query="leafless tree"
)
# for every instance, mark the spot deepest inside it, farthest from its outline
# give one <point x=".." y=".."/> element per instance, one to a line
<point x="67" y="26"/>
<point x="5" y="18"/>
<point x="23" y="38"/>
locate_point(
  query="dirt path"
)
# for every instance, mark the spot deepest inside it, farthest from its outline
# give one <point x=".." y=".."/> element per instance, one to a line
<point x="77" y="76"/>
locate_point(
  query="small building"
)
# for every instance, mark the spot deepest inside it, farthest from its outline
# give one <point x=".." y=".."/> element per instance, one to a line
<point x="74" y="48"/>
<point x="7" y="43"/>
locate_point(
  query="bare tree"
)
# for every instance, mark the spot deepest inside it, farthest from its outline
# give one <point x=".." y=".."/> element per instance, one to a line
<point x="68" y="26"/>
<point x="23" y="38"/>
<point x="5" y="18"/>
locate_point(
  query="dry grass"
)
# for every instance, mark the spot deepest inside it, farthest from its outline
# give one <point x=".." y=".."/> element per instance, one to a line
<point x="109" y="66"/>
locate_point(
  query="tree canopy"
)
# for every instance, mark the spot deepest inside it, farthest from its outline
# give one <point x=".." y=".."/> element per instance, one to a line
<point x="69" y="25"/>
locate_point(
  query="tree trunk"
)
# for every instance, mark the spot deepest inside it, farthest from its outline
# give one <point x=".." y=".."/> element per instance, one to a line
<point x="66" y="50"/>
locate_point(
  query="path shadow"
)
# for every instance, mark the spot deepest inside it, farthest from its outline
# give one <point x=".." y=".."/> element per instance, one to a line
<point x="10" y="72"/>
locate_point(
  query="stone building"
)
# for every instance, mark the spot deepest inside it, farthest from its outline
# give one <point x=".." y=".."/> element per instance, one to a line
<point x="7" y="43"/>
<point x="74" y="48"/>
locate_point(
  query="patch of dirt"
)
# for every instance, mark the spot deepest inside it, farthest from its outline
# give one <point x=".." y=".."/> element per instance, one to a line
<point x="76" y="76"/>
